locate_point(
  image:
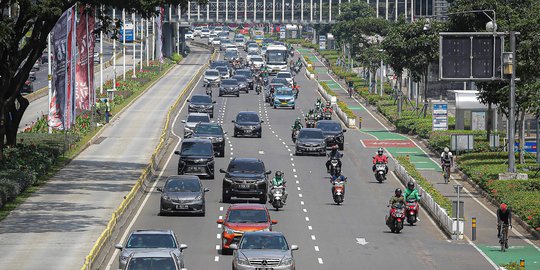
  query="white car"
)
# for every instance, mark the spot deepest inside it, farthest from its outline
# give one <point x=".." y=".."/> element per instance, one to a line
<point x="211" y="38"/>
<point x="231" y="47"/>
<point x="218" y="29"/>
<point x="257" y="61"/>
<point x="197" y="31"/>
<point x="216" y="41"/>
<point x="205" y="32"/>
<point x="250" y="55"/>
<point x="263" y="50"/>
<point x="253" y="47"/>
<point x="285" y="75"/>
<point x="188" y="35"/>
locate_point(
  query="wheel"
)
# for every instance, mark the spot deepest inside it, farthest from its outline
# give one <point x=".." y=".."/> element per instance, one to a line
<point x="212" y="114"/>
<point x="203" y="213"/>
<point x="222" y="152"/>
<point x="275" y="107"/>
<point x="341" y="146"/>
<point x="259" y="135"/>
<point x="219" y="95"/>
<point x="226" y="198"/>
<point x="211" y="176"/>
<point x="293" y="107"/>
<point x="263" y="199"/>
<point x="296" y="153"/>
<point x="238" y="95"/>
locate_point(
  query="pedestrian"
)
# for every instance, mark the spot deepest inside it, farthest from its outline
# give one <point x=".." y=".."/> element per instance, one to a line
<point x="98" y="110"/>
<point x="107" y="110"/>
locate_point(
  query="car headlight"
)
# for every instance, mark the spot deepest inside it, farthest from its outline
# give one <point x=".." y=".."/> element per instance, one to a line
<point x="228" y="230"/>
<point x="219" y="139"/>
<point x="166" y="197"/>
<point x="198" y="198"/>
<point x="227" y="180"/>
<point x="242" y="261"/>
<point x="287" y="261"/>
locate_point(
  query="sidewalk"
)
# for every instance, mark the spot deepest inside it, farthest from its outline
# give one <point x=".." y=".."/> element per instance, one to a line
<point x="475" y="206"/>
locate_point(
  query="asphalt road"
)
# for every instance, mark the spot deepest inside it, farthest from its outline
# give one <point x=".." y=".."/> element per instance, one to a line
<point x="326" y="233"/>
<point x="57" y="226"/>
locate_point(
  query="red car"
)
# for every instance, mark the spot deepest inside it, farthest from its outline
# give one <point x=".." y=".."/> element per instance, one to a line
<point x="241" y="218"/>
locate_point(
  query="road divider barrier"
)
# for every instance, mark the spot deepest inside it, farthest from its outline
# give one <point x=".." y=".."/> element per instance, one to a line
<point x="119" y="219"/>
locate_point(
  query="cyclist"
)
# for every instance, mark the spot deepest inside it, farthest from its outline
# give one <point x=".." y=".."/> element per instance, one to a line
<point x="446" y="162"/>
<point x="504" y="215"/>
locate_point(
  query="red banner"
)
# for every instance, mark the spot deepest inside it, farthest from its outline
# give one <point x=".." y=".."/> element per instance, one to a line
<point x="84" y="87"/>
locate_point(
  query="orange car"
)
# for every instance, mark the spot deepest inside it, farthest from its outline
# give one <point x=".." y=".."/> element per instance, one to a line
<point x="242" y="218"/>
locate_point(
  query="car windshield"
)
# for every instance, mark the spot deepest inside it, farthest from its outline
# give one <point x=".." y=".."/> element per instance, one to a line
<point x="231" y="82"/>
<point x="184" y="185"/>
<point x="251" y="54"/>
<point x="239" y="40"/>
<point x="310" y="134"/>
<point x="211" y="73"/>
<point x="329" y="126"/>
<point x="247" y="117"/>
<point x="280" y="80"/>
<point x="157" y="263"/>
<point x="201" y="99"/>
<point x="245" y="73"/>
<point x="283" y="75"/>
<point x="257" y="241"/>
<point x="284" y="92"/>
<point x="198" y="118"/>
<point x="247" y="216"/>
<point x="246" y="166"/>
<point x="256" y="59"/>
<point x="240" y="78"/>
<point x="196" y="149"/>
<point x="231" y="54"/>
<point x="222" y="69"/>
<point x="208" y="129"/>
<point x="151" y="240"/>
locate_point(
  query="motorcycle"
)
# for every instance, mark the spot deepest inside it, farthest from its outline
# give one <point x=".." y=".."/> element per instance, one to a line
<point x="276" y="197"/>
<point x="412" y="211"/>
<point x="258" y="88"/>
<point x="327" y="115"/>
<point x="380" y="172"/>
<point x="310" y="123"/>
<point x="335" y="167"/>
<point x="209" y="90"/>
<point x="294" y="135"/>
<point x="395" y="220"/>
<point x="338" y="191"/>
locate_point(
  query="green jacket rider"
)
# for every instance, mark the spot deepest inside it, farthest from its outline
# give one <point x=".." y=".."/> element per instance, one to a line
<point x="279" y="181"/>
<point x="297" y="124"/>
<point x="411" y="192"/>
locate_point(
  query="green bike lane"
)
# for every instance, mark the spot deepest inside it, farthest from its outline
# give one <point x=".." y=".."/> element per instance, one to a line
<point x="520" y="247"/>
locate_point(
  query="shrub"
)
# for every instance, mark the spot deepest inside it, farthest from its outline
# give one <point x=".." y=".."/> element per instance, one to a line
<point x="176" y="57"/>
<point x="327" y="89"/>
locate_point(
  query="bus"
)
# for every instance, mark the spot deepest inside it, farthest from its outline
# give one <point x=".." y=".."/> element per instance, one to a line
<point x="128" y="27"/>
<point x="276" y="58"/>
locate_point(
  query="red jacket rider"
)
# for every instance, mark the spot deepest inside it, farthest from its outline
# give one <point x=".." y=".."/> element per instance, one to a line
<point x="380" y="158"/>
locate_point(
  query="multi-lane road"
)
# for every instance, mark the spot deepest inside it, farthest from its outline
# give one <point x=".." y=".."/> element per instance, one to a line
<point x="350" y="236"/>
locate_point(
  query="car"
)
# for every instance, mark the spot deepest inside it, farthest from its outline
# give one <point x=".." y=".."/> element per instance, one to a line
<point x="285" y="75"/>
<point x="182" y="194"/>
<point x="246" y="45"/>
<point x="218" y="29"/>
<point x="231" y="47"/>
<point x="188" y="35"/>
<point x="205" y="33"/>
<point x="213" y="132"/>
<point x="201" y="104"/>
<point x="197" y="31"/>
<point x="192" y="120"/>
<point x="216" y="41"/>
<point x="218" y="63"/>
<point x="263" y="50"/>
<point x="243" y="84"/>
<point x="247" y="123"/>
<point x="229" y="87"/>
<point x="223" y="35"/>
<point x="253" y="47"/>
<point x="282" y="81"/>
<point x="284" y="98"/>
<point x="246" y="73"/>
<point x="154" y="260"/>
<point x="224" y="72"/>
<point x="231" y="55"/>
<point x="269" y="97"/>
<point x="242" y="218"/>
<point x="263" y="250"/>
<point x="224" y="44"/>
<point x="211" y="37"/>
<point x="196" y="157"/>
<point x="250" y="55"/>
<point x="333" y="133"/>
<point x="140" y="241"/>
<point x="245" y="178"/>
<point x="239" y="41"/>
<point x="310" y="140"/>
<point x="211" y="77"/>
<point x="257" y="61"/>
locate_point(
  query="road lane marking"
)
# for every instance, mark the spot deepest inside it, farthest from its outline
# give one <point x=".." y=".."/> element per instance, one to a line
<point x="305" y="210"/>
<point x="302" y="202"/>
<point x="299" y="188"/>
<point x="310" y="228"/>
<point x="307" y="218"/>
<point x="294" y="170"/>
<point x="316" y="248"/>
<point x="300" y="195"/>
<point x="313" y="237"/>
<point x="295" y="176"/>
<point x="218" y="247"/>
<point x="216" y="259"/>
<point x="220" y="217"/>
<point x="298" y="182"/>
<point x="320" y="260"/>
<point x="221" y="208"/>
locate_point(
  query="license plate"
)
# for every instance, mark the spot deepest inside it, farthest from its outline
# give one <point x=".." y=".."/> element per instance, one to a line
<point x="243" y="186"/>
<point x="181" y="206"/>
<point x="264" y="268"/>
<point x="247" y="131"/>
<point x="283" y="103"/>
<point x="196" y="169"/>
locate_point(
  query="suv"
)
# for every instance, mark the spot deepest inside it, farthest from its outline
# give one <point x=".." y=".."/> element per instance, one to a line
<point x="214" y="133"/>
<point x="192" y="120"/>
<point x="249" y="76"/>
<point x="310" y="140"/>
<point x="247" y="124"/>
<point x="148" y="240"/>
<point x="201" y="104"/>
<point x="245" y="178"/>
<point x="263" y="250"/>
<point x="229" y="87"/>
<point x="243" y="84"/>
<point x="241" y="218"/>
<point x="333" y="133"/>
<point x="284" y="97"/>
<point x="196" y="157"/>
<point x="211" y="77"/>
<point x="153" y="260"/>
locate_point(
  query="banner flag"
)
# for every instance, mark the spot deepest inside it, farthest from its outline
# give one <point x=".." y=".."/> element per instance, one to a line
<point x="84" y="87"/>
<point x="58" y="98"/>
<point x="71" y="56"/>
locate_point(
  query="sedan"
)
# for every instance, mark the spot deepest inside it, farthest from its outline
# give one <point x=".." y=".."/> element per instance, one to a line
<point x="257" y="62"/>
<point x="182" y="194"/>
<point x="229" y="87"/>
<point x="310" y="140"/>
<point x="243" y="84"/>
<point x="192" y="120"/>
<point x="263" y="250"/>
<point x="188" y="35"/>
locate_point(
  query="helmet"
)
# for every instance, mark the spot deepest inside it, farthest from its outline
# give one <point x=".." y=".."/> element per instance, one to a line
<point x="398" y="192"/>
<point x="380" y="151"/>
<point x="410" y="185"/>
<point x="298" y="119"/>
<point x="334" y="147"/>
<point x="504" y="207"/>
<point x="278" y="174"/>
<point x="446" y="150"/>
<point x="310" y="110"/>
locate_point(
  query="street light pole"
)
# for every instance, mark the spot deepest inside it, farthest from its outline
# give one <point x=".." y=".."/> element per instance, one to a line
<point x="511" y="111"/>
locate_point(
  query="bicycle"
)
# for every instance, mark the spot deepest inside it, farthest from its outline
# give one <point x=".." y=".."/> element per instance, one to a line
<point x="446" y="173"/>
<point x="503" y="240"/>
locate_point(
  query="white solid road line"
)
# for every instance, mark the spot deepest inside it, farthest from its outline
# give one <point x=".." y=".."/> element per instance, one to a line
<point x="128" y="229"/>
<point x="320" y="260"/>
<point x="316" y="248"/>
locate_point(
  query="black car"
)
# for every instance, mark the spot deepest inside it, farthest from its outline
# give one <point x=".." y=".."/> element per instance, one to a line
<point x="201" y="104"/>
<point x="196" y="157"/>
<point x="245" y="178"/>
<point x="333" y="133"/>
<point x="229" y="87"/>
<point x="247" y="124"/>
<point x="182" y="194"/>
<point x="310" y="140"/>
<point x="249" y="76"/>
<point x="214" y="133"/>
<point x="242" y="83"/>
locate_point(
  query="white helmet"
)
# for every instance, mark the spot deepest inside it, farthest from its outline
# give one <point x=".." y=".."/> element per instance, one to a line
<point x="446" y="150"/>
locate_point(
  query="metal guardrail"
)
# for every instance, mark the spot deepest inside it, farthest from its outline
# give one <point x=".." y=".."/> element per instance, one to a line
<point x="104" y="244"/>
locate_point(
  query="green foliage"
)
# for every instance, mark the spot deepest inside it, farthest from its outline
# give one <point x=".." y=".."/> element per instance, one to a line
<point x="343" y="106"/>
<point x="176" y="57"/>
<point x="513" y="266"/>
<point x="425" y="184"/>
<point x="327" y="89"/>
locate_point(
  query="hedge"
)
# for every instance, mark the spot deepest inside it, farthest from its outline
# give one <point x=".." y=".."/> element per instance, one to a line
<point x="327" y="89"/>
<point x="425" y="184"/>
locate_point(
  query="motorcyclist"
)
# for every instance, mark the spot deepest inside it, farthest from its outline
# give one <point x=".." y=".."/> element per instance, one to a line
<point x="380" y="158"/>
<point x="411" y="192"/>
<point x="504" y="215"/>
<point x="278" y="181"/>
<point x="297" y="124"/>
<point x="334" y="154"/>
<point x="397" y="198"/>
<point x="328" y="107"/>
<point x="310" y="115"/>
<point x="340" y="177"/>
<point x="318" y="104"/>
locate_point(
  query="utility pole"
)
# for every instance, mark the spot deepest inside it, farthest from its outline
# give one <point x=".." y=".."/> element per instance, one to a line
<point x="101" y="57"/>
<point x="134" y="44"/>
<point x="538" y="138"/>
<point x="49" y="75"/>
<point x="511" y="112"/>
<point x="124" y="43"/>
<point x="114" y="51"/>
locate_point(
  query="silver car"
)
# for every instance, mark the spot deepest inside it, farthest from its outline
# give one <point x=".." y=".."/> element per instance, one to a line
<point x="154" y="260"/>
<point x="263" y="250"/>
<point x="141" y="241"/>
<point x="192" y="120"/>
<point x="212" y="77"/>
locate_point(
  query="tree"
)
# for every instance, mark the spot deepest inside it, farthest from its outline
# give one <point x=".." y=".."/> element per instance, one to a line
<point x="23" y="37"/>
